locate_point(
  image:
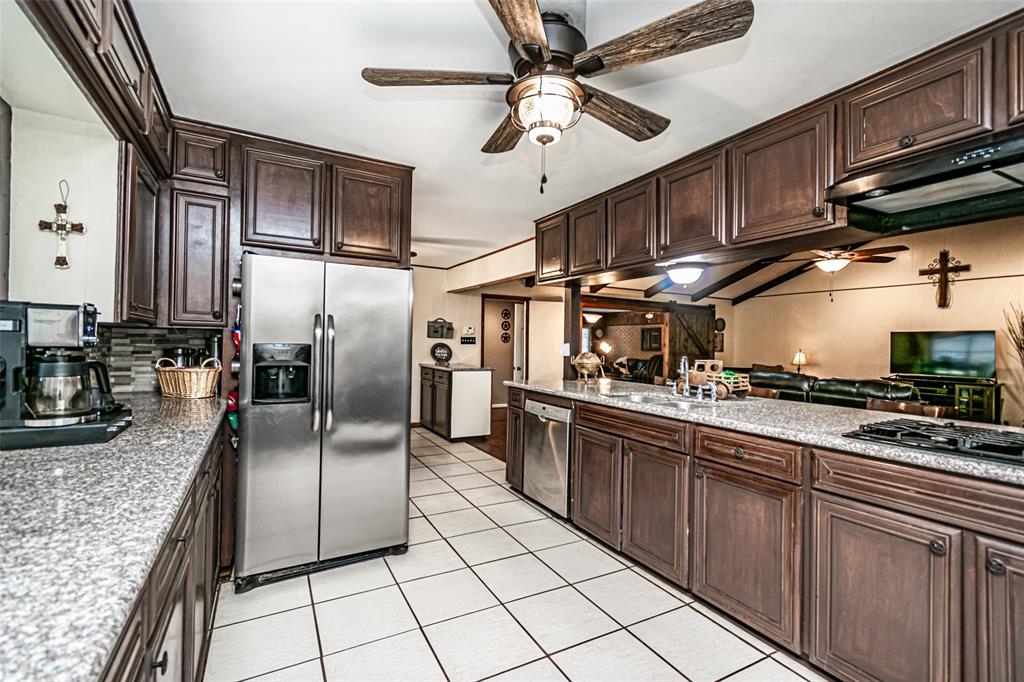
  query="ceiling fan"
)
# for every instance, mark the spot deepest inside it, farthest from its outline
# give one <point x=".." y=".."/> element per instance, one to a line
<point x="834" y="260"/>
<point x="548" y="54"/>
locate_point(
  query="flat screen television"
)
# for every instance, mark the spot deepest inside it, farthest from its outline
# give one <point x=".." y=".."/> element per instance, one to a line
<point x="951" y="354"/>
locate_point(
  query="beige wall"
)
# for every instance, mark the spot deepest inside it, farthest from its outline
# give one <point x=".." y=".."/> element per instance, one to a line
<point x="850" y="336"/>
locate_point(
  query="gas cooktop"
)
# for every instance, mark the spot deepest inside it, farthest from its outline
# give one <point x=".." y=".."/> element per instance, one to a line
<point x="973" y="441"/>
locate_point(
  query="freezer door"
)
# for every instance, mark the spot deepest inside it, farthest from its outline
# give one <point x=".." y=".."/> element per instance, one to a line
<point x="279" y="441"/>
<point x="365" y="478"/>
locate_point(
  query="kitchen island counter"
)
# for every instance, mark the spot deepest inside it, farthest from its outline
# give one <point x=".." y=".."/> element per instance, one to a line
<point x="80" y="529"/>
<point x="820" y="426"/>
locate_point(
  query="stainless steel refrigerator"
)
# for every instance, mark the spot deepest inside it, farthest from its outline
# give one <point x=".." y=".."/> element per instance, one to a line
<point x="323" y="451"/>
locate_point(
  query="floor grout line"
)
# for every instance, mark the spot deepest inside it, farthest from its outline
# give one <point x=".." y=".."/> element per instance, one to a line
<point x="423" y="633"/>
<point x="316" y="627"/>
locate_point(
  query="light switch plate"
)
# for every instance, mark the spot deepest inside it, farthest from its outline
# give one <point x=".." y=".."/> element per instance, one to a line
<point x="565" y="350"/>
<point x="469" y="330"/>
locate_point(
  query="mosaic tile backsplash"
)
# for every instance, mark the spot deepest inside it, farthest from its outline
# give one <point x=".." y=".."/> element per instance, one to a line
<point x="131" y="352"/>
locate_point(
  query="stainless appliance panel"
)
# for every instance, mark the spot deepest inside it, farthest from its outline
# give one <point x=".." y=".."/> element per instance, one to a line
<point x="546" y="455"/>
<point x="279" y="444"/>
<point x="368" y="351"/>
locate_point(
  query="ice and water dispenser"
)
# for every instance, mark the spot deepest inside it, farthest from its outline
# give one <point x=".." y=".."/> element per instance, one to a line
<point x="281" y="372"/>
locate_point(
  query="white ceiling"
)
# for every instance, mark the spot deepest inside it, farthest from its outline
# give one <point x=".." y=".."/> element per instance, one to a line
<point x="291" y="69"/>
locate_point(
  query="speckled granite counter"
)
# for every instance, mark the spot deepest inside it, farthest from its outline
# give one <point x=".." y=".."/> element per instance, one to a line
<point x="80" y="528"/>
<point x="456" y="367"/>
<point x="816" y="425"/>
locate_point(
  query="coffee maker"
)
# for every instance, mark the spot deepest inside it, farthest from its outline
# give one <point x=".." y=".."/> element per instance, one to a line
<point x="51" y="394"/>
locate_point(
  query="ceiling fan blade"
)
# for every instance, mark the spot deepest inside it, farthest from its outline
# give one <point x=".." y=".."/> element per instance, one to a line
<point x="706" y="23"/>
<point x="800" y="260"/>
<point x="626" y="117"/>
<point x="389" y="77"/>
<point x="826" y="254"/>
<point x="872" y="259"/>
<point x="524" y="25"/>
<point x="880" y="250"/>
<point x="504" y="139"/>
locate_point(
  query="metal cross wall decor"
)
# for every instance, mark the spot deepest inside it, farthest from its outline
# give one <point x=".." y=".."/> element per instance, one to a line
<point x="62" y="227"/>
<point x="942" y="272"/>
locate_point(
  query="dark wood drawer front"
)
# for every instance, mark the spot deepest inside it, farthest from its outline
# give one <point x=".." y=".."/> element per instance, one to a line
<point x="920" y="107"/>
<point x="765" y="456"/>
<point x="426" y="374"/>
<point x="983" y="506"/>
<point x="664" y="433"/>
<point x="171" y="555"/>
<point x="1016" y="73"/>
<point x="516" y="398"/>
<point x="200" y="157"/>
<point x="442" y="377"/>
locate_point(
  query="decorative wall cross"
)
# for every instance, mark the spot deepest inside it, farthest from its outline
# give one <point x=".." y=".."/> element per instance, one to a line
<point x="942" y="272"/>
<point x="62" y="227"/>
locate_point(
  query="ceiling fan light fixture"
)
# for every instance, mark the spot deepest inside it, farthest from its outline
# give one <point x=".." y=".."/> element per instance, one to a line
<point x="545" y="105"/>
<point x="832" y="265"/>
<point x="685" y="274"/>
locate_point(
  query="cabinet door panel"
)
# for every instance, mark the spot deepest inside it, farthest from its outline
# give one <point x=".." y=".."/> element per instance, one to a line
<point x="282" y="197"/>
<point x="129" y="655"/>
<point x="170" y="659"/>
<point x="780" y="173"/>
<point x="199" y="229"/>
<point x="746" y="548"/>
<point x="367" y="215"/>
<point x="126" y="61"/>
<point x="654" y="508"/>
<point x="597" y="485"/>
<point x="1000" y="618"/>
<point x="200" y="157"/>
<point x="158" y="126"/>
<point x="887" y="594"/>
<point x="586" y="238"/>
<point x="138" y="241"/>
<point x="514" y="449"/>
<point x="1016" y="74"/>
<point x="920" y="107"/>
<point x="692" y="210"/>
<point x="427" y="404"/>
<point x="201" y="588"/>
<point x="631" y="218"/>
<point x="442" y="409"/>
<point x="552" y="260"/>
<point x="92" y="15"/>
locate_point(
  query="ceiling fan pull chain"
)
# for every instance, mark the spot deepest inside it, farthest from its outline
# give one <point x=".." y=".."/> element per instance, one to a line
<point x="543" y="167"/>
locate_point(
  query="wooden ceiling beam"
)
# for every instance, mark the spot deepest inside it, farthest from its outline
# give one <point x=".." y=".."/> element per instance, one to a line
<point x="594" y="288"/>
<point x="657" y="287"/>
<point x="733" y="278"/>
<point x="771" y="284"/>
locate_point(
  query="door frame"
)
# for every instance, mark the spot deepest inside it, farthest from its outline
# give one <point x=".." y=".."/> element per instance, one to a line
<point x="526" y="335"/>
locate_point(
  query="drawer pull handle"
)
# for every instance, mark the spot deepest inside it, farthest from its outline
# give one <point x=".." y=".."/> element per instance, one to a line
<point x="699" y="473"/>
<point x="219" y="173"/>
<point x="937" y="547"/>
<point x="906" y="141"/>
<point x="740" y="454"/>
<point x="182" y="537"/>
<point x="995" y="566"/>
<point x="161" y="664"/>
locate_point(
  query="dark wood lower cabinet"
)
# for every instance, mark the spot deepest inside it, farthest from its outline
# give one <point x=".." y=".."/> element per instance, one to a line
<point x="746" y="548"/>
<point x="435" y="402"/>
<point x="998" y="593"/>
<point x="597" y="485"/>
<point x="655" y="518"/>
<point x="514" y="448"/>
<point x="169" y="654"/>
<point x="127" y="662"/>
<point x="886" y="592"/>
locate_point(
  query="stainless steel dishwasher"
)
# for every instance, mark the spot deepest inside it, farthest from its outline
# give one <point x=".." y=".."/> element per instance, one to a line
<point x="546" y="455"/>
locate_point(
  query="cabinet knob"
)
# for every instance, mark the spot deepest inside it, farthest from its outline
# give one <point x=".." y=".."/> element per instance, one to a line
<point x="995" y="566"/>
<point x="937" y="547"/>
<point x="316" y="241"/>
<point x="699" y="473"/>
<point x="906" y="141"/>
<point x="219" y="173"/>
<point x="161" y="664"/>
<point x="217" y="314"/>
<point x="739" y="453"/>
<point x="339" y="246"/>
<point x="818" y="212"/>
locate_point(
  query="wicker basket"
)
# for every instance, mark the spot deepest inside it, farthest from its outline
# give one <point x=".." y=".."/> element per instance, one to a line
<point x="188" y="382"/>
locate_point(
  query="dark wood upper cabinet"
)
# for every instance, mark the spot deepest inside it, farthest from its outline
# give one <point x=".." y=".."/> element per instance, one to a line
<point x="138" y="234"/>
<point x="93" y="16"/>
<point x="366" y="216"/>
<point x="1015" y="70"/>
<point x="631" y="224"/>
<point x="158" y="127"/>
<point x="886" y="589"/>
<point x="514" y="448"/>
<point x="586" y="238"/>
<point x="282" y="200"/>
<point x="999" y="595"/>
<point x="779" y="176"/>
<point x="198" y="259"/>
<point x="655" y="508"/>
<point x="552" y="260"/>
<point x="747" y="548"/>
<point x="597" y="485"/>
<point x="200" y="157"/>
<point x="926" y="104"/>
<point x="126" y="61"/>
<point x="692" y="210"/>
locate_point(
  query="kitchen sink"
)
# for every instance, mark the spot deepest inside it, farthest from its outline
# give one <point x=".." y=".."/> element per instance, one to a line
<point x="638" y="398"/>
<point x="685" y="404"/>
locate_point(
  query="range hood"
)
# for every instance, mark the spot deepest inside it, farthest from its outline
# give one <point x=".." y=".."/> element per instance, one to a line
<point x="976" y="180"/>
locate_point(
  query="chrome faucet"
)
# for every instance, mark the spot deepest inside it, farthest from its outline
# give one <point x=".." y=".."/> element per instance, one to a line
<point x="684" y="376"/>
<point x="712" y="388"/>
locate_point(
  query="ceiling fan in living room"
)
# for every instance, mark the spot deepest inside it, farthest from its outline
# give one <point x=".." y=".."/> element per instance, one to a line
<point x="834" y="260"/>
<point x="549" y="55"/>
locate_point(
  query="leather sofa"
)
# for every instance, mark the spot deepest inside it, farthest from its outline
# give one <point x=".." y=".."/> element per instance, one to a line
<point x="641" y="370"/>
<point x="835" y="391"/>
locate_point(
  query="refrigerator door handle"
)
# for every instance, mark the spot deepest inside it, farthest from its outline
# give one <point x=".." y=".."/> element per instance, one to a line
<point x="329" y="416"/>
<point x="318" y="349"/>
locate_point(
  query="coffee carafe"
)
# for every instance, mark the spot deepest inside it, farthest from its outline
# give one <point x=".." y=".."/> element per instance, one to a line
<point x="59" y="388"/>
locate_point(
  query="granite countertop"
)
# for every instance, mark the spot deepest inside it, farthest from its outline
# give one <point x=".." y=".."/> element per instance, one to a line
<point x="456" y="367"/>
<point x="80" y="528"/>
<point x="810" y="424"/>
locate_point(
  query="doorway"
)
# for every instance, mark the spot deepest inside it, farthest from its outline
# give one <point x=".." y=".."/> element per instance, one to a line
<point x="504" y="324"/>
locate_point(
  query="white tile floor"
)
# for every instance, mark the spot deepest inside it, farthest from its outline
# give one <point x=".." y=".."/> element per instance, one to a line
<point x="491" y="587"/>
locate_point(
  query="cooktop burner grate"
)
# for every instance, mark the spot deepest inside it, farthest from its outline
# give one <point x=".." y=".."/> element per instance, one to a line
<point x="973" y="441"/>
